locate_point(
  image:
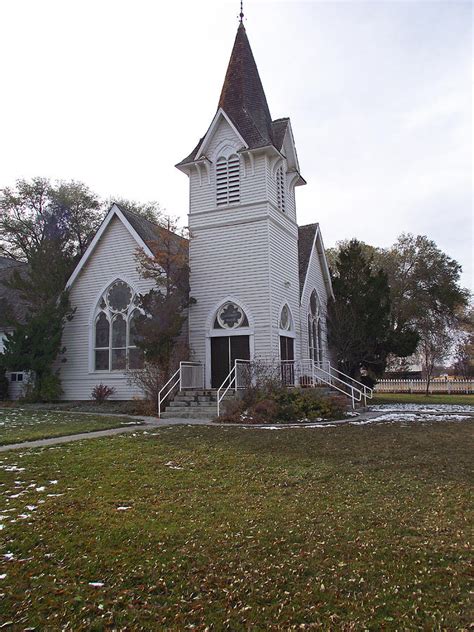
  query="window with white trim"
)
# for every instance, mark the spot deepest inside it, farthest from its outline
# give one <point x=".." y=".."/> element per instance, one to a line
<point x="228" y="180"/>
<point x="115" y="330"/>
<point x="315" y="318"/>
<point x="281" y="195"/>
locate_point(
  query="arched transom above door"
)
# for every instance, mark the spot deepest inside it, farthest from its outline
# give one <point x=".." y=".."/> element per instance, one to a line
<point x="230" y="316"/>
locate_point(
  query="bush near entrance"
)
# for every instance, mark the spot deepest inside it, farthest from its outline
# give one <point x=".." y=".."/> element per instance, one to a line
<point x="283" y="405"/>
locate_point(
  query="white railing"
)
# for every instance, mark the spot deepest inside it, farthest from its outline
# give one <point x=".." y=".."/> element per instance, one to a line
<point x="367" y="392"/>
<point x="236" y="380"/>
<point x="311" y="373"/>
<point x="419" y="386"/>
<point x="293" y="373"/>
<point x="190" y="375"/>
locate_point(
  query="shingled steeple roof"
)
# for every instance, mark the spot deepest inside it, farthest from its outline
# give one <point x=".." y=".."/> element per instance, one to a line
<point x="244" y="102"/>
<point x="243" y="98"/>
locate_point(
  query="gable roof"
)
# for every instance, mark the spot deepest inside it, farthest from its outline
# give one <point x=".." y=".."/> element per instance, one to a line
<point x="309" y="238"/>
<point x="148" y="235"/>
<point x="11" y="303"/>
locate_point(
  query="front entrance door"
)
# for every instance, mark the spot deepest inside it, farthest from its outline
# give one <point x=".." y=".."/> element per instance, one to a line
<point x="287" y="354"/>
<point x="224" y="351"/>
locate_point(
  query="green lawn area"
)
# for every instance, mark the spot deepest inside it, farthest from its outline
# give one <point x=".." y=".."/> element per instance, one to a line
<point x="335" y="528"/>
<point x="17" y="425"/>
<point x="416" y="398"/>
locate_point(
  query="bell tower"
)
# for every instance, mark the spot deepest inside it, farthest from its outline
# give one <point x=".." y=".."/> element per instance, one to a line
<point x="242" y="218"/>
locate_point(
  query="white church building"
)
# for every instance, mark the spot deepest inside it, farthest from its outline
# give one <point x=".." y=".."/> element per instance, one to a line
<point x="260" y="282"/>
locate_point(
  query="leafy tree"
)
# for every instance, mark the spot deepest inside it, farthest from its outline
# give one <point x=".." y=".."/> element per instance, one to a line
<point x="48" y="227"/>
<point x="360" y="325"/>
<point x="423" y="280"/>
<point x="435" y="345"/>
<point x="35" y="346"/>
<point x="37" y="211"/>
<point x="425" y="295"/>
<point x="464" y="350"/>
<point x="159" y="329"/>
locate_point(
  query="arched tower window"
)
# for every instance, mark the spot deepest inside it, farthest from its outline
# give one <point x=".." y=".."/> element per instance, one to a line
<point x="315" y="317"/>
<point x="228" y="180"/>
<point x="115" y="334"/>
<point x="281" y="197"/>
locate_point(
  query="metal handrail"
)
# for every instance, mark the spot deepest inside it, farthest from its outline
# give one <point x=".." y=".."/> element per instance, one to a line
<point x="162" y="399"/>
<point x="354" y="390"/>
<point x="177" y="382"/>
<point x="232" y="377"/>
<point x="367" y="392"/>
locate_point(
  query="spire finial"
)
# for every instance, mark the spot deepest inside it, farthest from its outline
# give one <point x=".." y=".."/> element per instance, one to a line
<point x="241" y="16"/>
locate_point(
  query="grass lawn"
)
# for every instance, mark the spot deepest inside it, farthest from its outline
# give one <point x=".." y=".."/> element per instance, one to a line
<point x="17" y="425"/>
<point x="341" y="528"/>
<point x="418" y="398"/>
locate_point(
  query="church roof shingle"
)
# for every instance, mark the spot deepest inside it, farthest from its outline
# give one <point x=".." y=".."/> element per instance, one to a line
<point x="243" y="100"/>
<point x="152" y="234"/>
<point x="305" y="244"/>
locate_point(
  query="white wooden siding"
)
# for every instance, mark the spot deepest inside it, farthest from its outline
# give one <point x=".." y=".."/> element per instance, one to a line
<point x="114" y="257"/>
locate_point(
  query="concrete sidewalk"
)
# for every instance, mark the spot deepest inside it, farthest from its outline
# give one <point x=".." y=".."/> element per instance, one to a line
<point x="153" y="422"/>
<point x="149" y="422"/>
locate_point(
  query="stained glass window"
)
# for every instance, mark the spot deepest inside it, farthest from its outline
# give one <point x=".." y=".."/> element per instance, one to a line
<point x="119" y="296"/>
<point x="116" y="334"/>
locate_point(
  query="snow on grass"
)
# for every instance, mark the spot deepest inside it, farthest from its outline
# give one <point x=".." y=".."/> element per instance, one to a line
<point x="424" y="408"/>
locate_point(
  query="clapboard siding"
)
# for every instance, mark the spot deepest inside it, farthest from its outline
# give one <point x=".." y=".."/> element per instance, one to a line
<point x="314" y="280"/>
<point x="230" y="261"/>
<point x="113" y="257"/>
<point x="284" y="280"/>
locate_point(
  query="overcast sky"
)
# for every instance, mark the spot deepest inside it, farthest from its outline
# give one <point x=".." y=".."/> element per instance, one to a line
<point x="114" y="93"/>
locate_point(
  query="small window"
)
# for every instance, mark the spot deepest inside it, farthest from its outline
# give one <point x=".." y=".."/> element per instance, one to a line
<point x="281" y="194"/>
<point x="285" y="318"/>
<point x="230" y="316"/>
<point x="19" y="377"/>
<point x="13" y="377"/>
<point x="228" y="180"/>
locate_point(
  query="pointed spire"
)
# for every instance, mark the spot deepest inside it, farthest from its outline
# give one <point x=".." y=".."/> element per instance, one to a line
<point x="241" y="16"/>
<point x="242" y="97"/>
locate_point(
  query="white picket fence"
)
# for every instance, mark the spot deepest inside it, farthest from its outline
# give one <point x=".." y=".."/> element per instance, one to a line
<point x="419" y="386"/>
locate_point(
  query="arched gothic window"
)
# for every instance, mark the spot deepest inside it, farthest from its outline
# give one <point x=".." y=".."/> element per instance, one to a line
<point x="115" y="335"/>
<point x="228" y="180"/>
<point x="281" y="194"/>
<point x="315" y="317"/>
<point x="230" y="316"/>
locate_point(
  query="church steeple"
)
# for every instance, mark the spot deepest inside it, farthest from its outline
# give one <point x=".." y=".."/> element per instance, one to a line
<point x="243" y="98"/>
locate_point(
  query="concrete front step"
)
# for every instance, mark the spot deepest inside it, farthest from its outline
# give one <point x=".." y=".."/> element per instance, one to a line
<point x="195" y="413"/>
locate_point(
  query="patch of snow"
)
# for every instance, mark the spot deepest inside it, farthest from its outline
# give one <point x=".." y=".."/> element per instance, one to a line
<point x="123" y="508"/>
<point x="53" y="482"/>
<point x="8" y="556"/>
<point x="96" y="584"/>
<point x="3" y="576"/>
<point x="424" y="408"/>
<point x="401" y="416"/>
<point x="41" y="489"/>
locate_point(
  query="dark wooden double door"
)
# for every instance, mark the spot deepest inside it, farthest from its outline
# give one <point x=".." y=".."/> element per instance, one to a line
<point x="225" y="350"/>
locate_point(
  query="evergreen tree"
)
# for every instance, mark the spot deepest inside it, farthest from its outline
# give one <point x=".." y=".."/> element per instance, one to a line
<point x="359" y="319"/>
